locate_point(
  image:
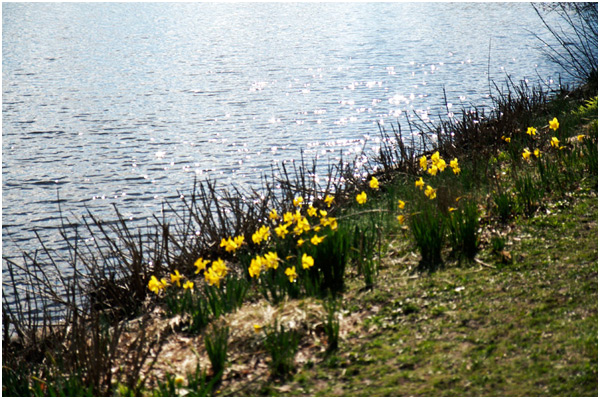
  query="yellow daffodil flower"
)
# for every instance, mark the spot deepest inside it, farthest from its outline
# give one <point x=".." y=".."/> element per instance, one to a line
<point x="423" y="162"/>
<point x="554" y="142"/>
<point x="400" y="219"/>
<point x="430" y="192"/>
<point x="316" y="240"/>
<point x="553" y="124"/>
<point x="435" y="157"/>
<point x="580" y="137"/>
<point x="262" y="234"/>
<point x="188" y="285"/>
<point x="401" y="204"/>
<point x="311" y="211"/>
<point x="433" y="169"/>
<point x="239" y="240"/>
<point x="374" y="183"/>
<point x="531" y="131"/>
<point x="231" y="244"/>
<point x="257" y="328"/>
<point x="328" y="200"/>
<point x="307" y="261"/>
<point x="454" y="163"/>
<point x="212" y="278"/>
<point x="454" y="166"/>
<point x="441" y="165"/>
<point x="282" y="230"/>
<point x="271" y="260"/>
<point x="219" y="267"/>
<point x="200" y="264"/>
<point x="255" y="266"/>
<point x="298" y="201"/>
<point x="291" y="273"/>
<point x="288" y="217"/>
<point x="155" y="285"/>
<point x="302" y="226"/>
<point x="333" y="224"/>
<point x="361" y="198"/>
<point x="176" y="278"/>
<point x="323" y="213"/>
<point x="450" y="209"/>
<point x="537" y="153"/>
<point x="526" y="154"/>
<point x="179" y="380"/>
<point x="420" y="183"/>
<point x="300" y="242"/>
<point x="273" y="215"/>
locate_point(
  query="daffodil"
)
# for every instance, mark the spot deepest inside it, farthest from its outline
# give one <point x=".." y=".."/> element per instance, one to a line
<point x="302" y="226"/>
<point x="271" y="260"/>
<point x="333" y="224"/>
<point x="554" y="142"/>
<point x="580" y="137"/>
<point x="300" y="242"/>
<point x="374" y="183"/>
<point x="435" y="157"/>
<point x="531" y="131"/>
<point x="441" y="165"/>
<point x="273" y="215"/>
<point x="553" y="124"/>
<point x="328" y="200"/>
<point x="262" y="234"/>
<point x="401" y="204"/>
<point x="296" y="217"/>
<point x="291" y="273"/>
<point x="257" y="328"/>
<point x="454" y="163"/>
<point x="239" y="240"/>
<point x="526" y="154"/>
<point x="433" y="169"/>
<point x="298" y="201"/>
<point x="255" y="266"/>
<point x="282" y="230"/>
<point x="316" y="240"/>
<point x="212" y="278"/>
<point x="155" y="285"/>
<point x="400" y="219"/>
<point x="423" y="162"/>
<point x="430" y="192"/>
<point x="200" y="264"/>
<point x="420" y="183"/>
<point x="307" y="261"/>
<point x="288" y="217"/>
<point x="454" y="166"/>
<point x="219" y="267"/>
<point x="450" y="209"/>
<point x="188" y="285"/>
<point x="231" y="244"/>
<point x="311" y="211"/>
<point x="176" y="278"/>
<point x="323" y="213"/>
<point x="537" y="153"/>
<point x="179" y="380"/>
<point x="361" y="198"/>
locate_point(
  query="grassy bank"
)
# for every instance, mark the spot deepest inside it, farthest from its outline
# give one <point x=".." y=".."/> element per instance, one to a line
<point x="482" y="280"/>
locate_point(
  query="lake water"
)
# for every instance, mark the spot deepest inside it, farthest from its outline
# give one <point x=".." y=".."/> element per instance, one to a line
<point x="126" y="103"/>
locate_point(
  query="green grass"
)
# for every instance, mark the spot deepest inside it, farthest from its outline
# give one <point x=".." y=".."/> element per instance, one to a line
<point x="529" y="328"/>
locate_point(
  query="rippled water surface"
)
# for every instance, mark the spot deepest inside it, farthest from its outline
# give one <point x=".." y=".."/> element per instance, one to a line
<point x="125" y="103"/>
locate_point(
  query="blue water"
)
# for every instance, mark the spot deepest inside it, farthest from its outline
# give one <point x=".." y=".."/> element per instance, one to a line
<point x="126" y="103"/>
